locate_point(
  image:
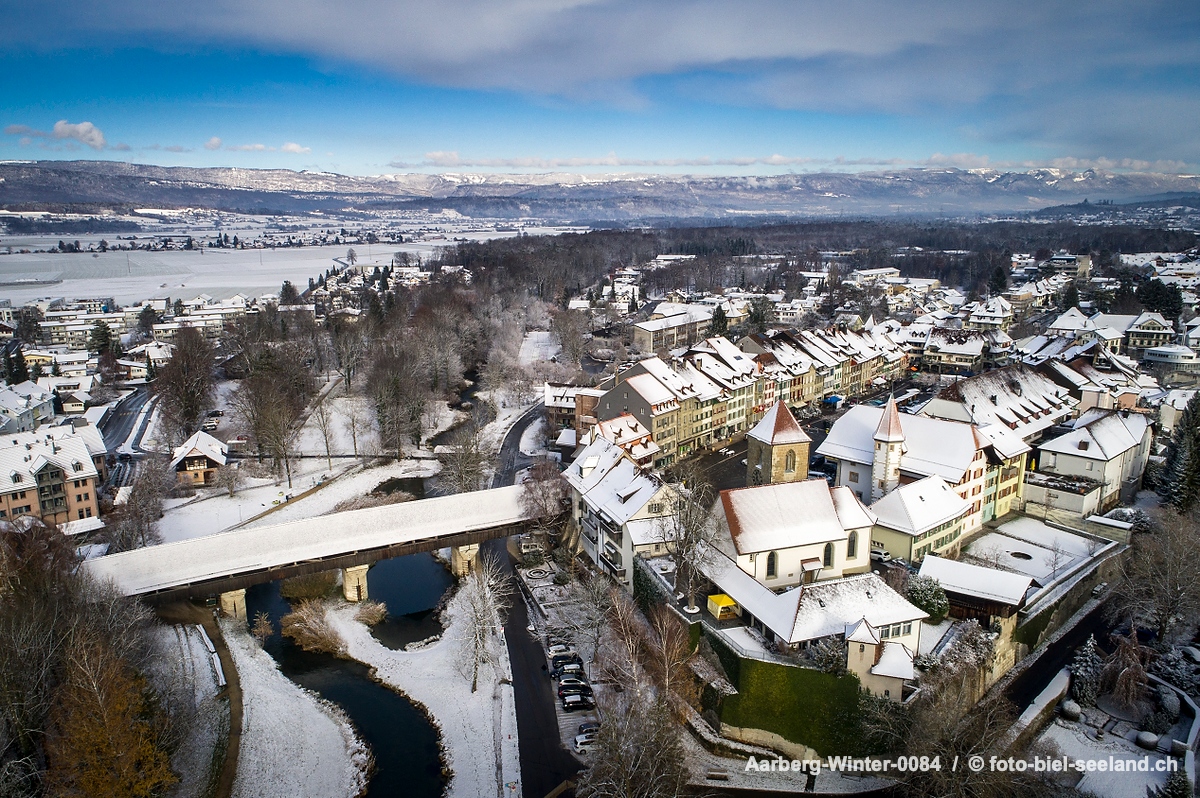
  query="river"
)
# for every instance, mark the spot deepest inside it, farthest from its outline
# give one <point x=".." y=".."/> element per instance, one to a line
<point x="402" y="740"/>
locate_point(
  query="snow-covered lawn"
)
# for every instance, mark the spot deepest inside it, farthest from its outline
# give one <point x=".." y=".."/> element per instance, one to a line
<point x="538" y="345"/>
<point x="478" y="730"/>
<point x="183" y="670"/>
<point x="1070" y="740"/>
<point x="293" y="743"/>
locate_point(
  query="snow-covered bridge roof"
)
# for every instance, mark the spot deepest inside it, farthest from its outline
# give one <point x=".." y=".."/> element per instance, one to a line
<point x="260" y="549"/>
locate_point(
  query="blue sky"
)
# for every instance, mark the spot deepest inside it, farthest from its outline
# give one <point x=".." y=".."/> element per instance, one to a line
<point x="666" y="86"/>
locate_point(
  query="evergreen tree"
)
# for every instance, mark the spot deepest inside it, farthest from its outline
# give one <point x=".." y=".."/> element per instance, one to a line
<point x="928" y="594"/>
<point x="1085" y="673"/>
<point x="998" y="282"/>
<point x="1071" y="297"/>
<point x="1180" y="483"/>
<point x="719" y="324"/>
<point x="36" y="372"/>
<point x="1177" y="786"/>
<point x="101" y="337"/>
<point x="18" y="372"/>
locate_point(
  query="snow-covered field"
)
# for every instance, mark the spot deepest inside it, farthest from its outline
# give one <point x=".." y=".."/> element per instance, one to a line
<point x="533" y="439"/>
<point x="293" y="743"/>
<point x="1070" y="741"/>
<point x="478" y="730"/>
<point x="538" y="345"/>
<point x="183" y="670"/>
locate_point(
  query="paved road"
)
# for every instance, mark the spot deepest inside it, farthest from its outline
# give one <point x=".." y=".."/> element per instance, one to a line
<point x="545" y="764"/>
<point x="119" y="424"/>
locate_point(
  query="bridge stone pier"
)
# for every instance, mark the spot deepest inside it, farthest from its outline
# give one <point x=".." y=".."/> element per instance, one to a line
<point x="354" y="582"/>
<point x="463" y="558"/>
<point x="233" y="604"/>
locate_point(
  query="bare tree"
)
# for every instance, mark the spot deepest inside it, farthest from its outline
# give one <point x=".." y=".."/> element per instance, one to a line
<point x="355" y="413"/>
<point x="639" y="753"/>
<point x="591" y="599"/>
<point x="570" y="327"/>
<point x="487" y="595"/>
<point x="465" y="461"/>
<point x="184" y="385"/>
<point x="690" y="536"/>
<point x="624" y="647"/>
<point x="1124" y="674"/>
<point x="322" y="415"/>
<point x="135" y="523"/>
<point x="262" y="628"/>
<point x="229" y="477"/>
<point x="546" y="496"/>
<point x="670" y="653"/>
<point x="348" y="350"/>
<point x="1157" y="582"/>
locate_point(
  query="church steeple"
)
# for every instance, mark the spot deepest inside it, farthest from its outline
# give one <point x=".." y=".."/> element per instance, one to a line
<point x="889" y="446"/>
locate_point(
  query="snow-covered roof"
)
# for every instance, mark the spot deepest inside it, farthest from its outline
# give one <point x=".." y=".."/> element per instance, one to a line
<point x="889" y="429"/>
<point x="1100" y="435"/>
<point x="919" y="506"/>
<point x="650" y="389"/>
<point x="782" y="516"/>
<point x="976" y="580"/>
<point x="1015" y="396"/>
<point x="932" y="445"/>
<point x="861" y="632"/>
<point x="895" y="660"/>
<point x="203" y="444"/>
<point x="20" y="462"/>
<point x="169" y="565"/>
<point x="611" y="483"/>
<point x="778" y="426"/>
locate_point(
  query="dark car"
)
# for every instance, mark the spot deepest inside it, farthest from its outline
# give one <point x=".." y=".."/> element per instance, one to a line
<point x="577" y="689"/>
<point x="570" y="669"/>
<point x="589" y="726"/>
<point x="124" y="456"/>
<point x="574" y="703"/>
<point x="558" y="660"/>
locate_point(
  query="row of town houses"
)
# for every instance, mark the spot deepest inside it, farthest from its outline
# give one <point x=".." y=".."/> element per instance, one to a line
<point x="715" y="389"/>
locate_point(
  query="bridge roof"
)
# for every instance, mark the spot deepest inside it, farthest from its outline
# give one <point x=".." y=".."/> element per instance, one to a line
<point x="242" y="551"/>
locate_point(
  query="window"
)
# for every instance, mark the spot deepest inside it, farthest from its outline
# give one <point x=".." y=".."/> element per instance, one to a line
<point x="852" y="546"/>
<point x="789" y="462"/>
<point x="772" y="565"/>
<point x="828" y="555"/>
<point x="853" y="476"/>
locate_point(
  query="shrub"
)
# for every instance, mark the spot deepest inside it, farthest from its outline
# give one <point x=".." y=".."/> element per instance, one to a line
<point x="371" y="613"/>
<point x="533" y="559"/>
<point x="309" y="628"/>
<point x="561" y="577"/>
<point x="308" y="586"/>
<point x="927" y="594"/>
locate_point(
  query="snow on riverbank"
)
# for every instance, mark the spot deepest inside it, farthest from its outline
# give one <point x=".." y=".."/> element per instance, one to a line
<point x="478" y="730"/>
<point x="293" y="743"/>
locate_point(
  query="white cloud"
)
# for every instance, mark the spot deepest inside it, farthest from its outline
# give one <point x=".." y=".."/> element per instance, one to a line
<point x="250" y="148"/>
<point x="295" y="148"/>
<point x="213" y="144"/>
<point x="82" y="132"/>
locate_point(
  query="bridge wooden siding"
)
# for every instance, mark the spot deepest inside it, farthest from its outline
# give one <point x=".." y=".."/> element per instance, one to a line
<point x="242" y="558"/>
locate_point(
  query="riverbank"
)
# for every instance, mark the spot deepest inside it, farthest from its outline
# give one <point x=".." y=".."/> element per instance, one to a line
<point x="293" y="743"/>
<point x="478" y="730"/>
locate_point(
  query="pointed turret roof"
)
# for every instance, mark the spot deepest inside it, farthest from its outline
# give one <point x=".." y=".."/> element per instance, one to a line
<point x="889" y="430"/>
<point x="779" y="426"/>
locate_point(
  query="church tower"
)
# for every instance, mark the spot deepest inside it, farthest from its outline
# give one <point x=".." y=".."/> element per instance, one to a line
<point x="889" y="446"/>
<point x="776" y="449"/>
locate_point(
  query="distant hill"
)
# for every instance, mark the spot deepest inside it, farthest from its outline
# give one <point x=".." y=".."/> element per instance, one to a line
<point x="74" y="185"/>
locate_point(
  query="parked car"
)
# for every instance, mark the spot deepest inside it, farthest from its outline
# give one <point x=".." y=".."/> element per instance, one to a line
<point x="574" y="703"/>
<point x="583" y="744"/>
<point x="578" y="689"/>
<point x="210" y="425"/>
<point x="558" y="660"/>
<point x="881" y="555"/>
<point x="215" y="413"/>
<point x="589" y="727"/>
<point x="562" y="649"/>
<point x="572" y="681"/>
<point x="570" y="669"/>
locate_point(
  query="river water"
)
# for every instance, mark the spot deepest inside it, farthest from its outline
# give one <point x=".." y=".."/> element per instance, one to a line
<point x="401" y="738"/>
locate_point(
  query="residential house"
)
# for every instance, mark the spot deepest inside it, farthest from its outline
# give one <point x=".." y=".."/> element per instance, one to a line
<point x="1108" y="446"/>
<point x="198" y="459"/>
<point x="53" y="478"/>
<point x="919" y="518"/>
<point x="878" y="449"/>
<point x="1015" y="397"/>
<point x="620" y="510"/>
